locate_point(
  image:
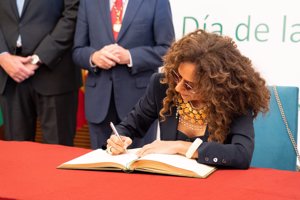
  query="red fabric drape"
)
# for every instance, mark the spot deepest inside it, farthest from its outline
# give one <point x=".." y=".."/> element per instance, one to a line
<point x="81" y="120"/>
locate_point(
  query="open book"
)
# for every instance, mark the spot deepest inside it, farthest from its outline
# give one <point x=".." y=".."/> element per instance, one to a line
<point x="176" y="165"/>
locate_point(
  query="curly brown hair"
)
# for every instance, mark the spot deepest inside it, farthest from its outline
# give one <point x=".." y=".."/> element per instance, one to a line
<point x="226" y="80"/>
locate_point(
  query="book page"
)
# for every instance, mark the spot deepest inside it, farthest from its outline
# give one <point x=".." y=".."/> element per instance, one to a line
<point x="178" y="161"/>
<point x="100" y="158"/>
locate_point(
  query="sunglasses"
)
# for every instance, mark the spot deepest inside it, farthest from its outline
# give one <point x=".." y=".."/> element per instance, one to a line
<point x="177" y="78"/>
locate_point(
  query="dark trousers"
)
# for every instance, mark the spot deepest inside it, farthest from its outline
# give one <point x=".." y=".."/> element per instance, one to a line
<point x="99" y="133"/>
<point x="22" y="106"/>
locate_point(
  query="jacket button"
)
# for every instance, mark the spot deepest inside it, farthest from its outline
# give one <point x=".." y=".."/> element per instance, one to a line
<point x="215" y="159"/>
<point x="206" y="159"/>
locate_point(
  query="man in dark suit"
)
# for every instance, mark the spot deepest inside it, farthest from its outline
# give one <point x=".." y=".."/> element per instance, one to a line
<point x="119" y="68"/>
<point x="37" y="76"/>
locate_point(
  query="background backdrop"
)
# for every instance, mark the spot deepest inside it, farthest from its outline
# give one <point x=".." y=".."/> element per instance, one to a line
<point x="268" y="32"/>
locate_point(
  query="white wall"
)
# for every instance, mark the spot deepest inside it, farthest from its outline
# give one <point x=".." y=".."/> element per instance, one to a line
<point x="271" y="38"/>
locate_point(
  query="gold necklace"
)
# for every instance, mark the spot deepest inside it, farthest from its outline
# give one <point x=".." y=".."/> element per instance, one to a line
<point x="189" y="115"/>
<point x="191" y="126"/>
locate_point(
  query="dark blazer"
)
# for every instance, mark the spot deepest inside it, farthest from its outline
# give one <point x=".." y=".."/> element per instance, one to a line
<point x="47" y="29"/>
<point x="236" y="152"/>
<point x="147" y="31"/>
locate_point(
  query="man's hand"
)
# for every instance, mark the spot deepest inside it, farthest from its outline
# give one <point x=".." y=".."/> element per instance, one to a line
<point x="106" y="57"/>
<point x="15" y="67"/>
<point x="122" y="53"/>
<point x="31" y="66"/>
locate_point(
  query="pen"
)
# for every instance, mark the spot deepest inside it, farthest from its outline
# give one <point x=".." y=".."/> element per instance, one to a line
<point x="116" y="133"/>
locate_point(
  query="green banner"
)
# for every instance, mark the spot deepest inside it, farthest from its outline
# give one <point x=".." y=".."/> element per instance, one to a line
<point x="1" y="120"/>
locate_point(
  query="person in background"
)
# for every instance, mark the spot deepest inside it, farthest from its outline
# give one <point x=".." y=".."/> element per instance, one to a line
<point x="206" y="100"/>
<point x="38" y="79"/>
<point x="121" y="44"/>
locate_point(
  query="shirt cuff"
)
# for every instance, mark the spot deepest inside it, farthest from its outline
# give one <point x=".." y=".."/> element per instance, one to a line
<point x="130" y="60"/>
<point x="93" y="66"/>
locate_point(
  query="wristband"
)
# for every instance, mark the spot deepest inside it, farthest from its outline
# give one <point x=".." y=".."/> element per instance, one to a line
<point x="194" y="146"/>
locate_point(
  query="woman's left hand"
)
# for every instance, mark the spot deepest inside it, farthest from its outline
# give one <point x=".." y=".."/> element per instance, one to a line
<point x="164" y="147"/>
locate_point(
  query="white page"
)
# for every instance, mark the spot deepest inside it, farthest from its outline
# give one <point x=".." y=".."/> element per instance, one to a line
<point x="99" y="155"/>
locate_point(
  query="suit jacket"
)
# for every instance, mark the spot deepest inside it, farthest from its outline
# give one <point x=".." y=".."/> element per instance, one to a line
<point x="47" y="29"/>
<point x="236" y="152"/>
<point x="147" y="31"/>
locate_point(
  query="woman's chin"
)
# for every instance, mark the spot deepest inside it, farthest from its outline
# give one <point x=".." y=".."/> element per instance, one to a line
<point x="185" y="97"/>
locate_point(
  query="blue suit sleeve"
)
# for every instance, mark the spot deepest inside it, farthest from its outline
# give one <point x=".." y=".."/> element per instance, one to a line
<point x="82" y="49"/>
<point x="150" y="57"/>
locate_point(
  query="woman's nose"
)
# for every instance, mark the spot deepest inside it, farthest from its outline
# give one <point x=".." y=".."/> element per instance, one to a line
<point x="179" y="86"/>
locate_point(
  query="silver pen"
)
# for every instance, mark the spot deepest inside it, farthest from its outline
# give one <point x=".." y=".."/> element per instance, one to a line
<point x="117" y="134"/>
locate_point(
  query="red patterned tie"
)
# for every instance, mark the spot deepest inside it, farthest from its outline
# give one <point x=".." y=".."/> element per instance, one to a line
<point x="116" y="17"/>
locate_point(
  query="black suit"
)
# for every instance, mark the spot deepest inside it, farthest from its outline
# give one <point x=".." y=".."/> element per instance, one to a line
<point x="236" y="152"/>
<point x="47" y="29"/>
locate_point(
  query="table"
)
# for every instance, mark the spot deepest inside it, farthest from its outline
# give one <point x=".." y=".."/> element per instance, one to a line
<point x="28" y="171"/>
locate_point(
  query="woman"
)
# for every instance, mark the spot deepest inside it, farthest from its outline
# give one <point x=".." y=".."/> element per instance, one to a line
<point x="208" y="90"/>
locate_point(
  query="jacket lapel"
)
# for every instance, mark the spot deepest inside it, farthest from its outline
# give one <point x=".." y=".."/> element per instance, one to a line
<point x="168" y="128"/>
<point x="106" y="18"/>
<point x="26" y="2"/>
<point x="130" y="13"/>
<point x="14" y="8"/>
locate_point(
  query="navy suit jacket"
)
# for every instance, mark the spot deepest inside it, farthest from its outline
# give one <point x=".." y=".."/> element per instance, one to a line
<point x="147" y="31"/>
<point x="236" y="152"/>
<point x="47" y="28"/>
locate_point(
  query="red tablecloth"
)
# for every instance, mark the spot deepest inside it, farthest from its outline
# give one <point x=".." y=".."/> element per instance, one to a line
<point x="28" y="171"/>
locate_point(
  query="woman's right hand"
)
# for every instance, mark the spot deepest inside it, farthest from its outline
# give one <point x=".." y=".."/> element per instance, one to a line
<point x="115" y="146"/>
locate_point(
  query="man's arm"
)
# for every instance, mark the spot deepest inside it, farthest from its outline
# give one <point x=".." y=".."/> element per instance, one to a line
<point x="3" y="45"/>
<point x="61" y="37"/>
<point x="82" y="50"/>
<point x="145" y="57"/>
